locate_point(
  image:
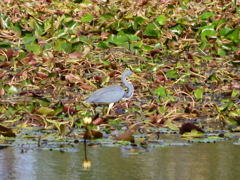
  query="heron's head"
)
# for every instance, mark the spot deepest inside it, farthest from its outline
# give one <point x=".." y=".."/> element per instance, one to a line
<point x="128" y="73"/>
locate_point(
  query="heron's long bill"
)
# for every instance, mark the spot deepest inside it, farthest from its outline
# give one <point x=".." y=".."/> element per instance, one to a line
<point x="136" y="76"/>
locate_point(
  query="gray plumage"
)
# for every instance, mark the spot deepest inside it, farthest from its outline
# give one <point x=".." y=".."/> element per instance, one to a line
<point x="112" y="94"/>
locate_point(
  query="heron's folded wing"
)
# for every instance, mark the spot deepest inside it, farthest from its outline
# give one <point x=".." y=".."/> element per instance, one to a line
<point x="109" y="94"/>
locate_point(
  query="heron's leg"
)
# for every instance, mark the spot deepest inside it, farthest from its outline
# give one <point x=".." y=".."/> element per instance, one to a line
<point x="94" y="108"/>
<point x="103" y="109"/>
<point x="109" y="107"/>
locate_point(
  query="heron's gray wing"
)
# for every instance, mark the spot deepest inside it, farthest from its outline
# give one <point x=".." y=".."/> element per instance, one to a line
<point x="109" y="94"/>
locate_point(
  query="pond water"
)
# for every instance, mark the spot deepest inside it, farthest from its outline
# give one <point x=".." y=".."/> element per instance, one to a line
<point x="200" y="161"/>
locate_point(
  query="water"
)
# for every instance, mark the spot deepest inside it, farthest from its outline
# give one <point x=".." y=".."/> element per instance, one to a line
<point x="213" y="161"/>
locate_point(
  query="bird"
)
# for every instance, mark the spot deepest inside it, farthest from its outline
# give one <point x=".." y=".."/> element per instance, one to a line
<point x="111" y="94"/>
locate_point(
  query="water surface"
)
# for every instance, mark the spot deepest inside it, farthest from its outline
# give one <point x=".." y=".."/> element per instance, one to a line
<point x="200" y="161"/>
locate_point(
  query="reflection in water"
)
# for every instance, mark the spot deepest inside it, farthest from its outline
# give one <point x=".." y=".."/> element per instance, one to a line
<point x="86" y="163"/>
<point x="14" y="164"/>
<point x="199" y="161"/>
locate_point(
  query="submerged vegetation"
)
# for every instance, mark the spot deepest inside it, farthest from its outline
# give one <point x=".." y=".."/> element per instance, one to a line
<point x="54" y="54"/>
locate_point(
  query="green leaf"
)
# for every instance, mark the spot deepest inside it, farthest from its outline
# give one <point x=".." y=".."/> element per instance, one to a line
<point x="221" y="52"/>
<point x="1" y="84"/>
<point x="119" y="39"/>
<point x="219" y="23"/>
<point x="206" y="15"/>
<point x="72" y="24"/>
<point x="132" y="37"/>
<point x="161" y="109"/>
<point x="147" y="48"/>
<point x="2" y="58"/>
<point x="60" y="33"/>
<point x="184" y="21"/>
<point x="128" y="16"/>
<point x="151" y="30"/>
<point x="17" y="27"/>
<point x="26" y="82"/>
<point x="103" y="45"/>
<point x="193" y="133"/>
<point x="105" y="81"/>
<point x="11" y="110"/>
<point x="66" y="47"/>
<point x="107" y="16"/>
<point x="177" y="29"/>
<point x="234" y="93"/>
<point x="47" y="46"/>
<point x="42" y="101"/>
<point x="63" y="45"/>
<point x="38" y="28"/>
<point x="234" y="114"/>
<point x="226" y="47"/>
<point x="137" y="44"/>
<point x="203" y="45"/>
<point x="172" y="74"/>
<point x="59" y="107"/>
<point x="237" y="9"/>
<point x="137" y="22"/>
<point x="226" y="106"/>
<point x="13" y="120"/>
<point x="5" y="45"/>
<point x="85" y="39"/>
<point x="161" y="19"/>
<point x="230" y="121"/>
<point x="224" y="31"/>
<point x="28" y="39"/>
<point x="12" y="90"/>
<point x="45" y="111"/>
<point x="137" y="69"/>
<point x="158" y="46"/>
<point x="5" y="21"/>
<point x="199" y="93"/>
<point x="31" y="106"/>
<point x="48" y="24"/>
<point x="87" y="18"/>
<point x="207" y="31"/>
<point x="171" y="125"/>
<point x="234" y="35"/>
<point x="34" y="47"/>
<point x="208" y="58"/>
<point x="161" y="91"/>
<point x="56" y="123"/>
<point x="119" y="25"/>
<point x="52" y="75"/>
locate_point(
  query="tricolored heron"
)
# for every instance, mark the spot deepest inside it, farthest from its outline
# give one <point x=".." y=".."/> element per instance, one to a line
<point x="111" y="94"/>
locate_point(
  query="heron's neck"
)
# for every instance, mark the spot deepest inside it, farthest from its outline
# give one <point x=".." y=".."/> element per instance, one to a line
<point x="130" y="89"/>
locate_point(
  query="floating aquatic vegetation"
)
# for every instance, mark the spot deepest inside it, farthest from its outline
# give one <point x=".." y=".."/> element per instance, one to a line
<point x="54" y="54"/>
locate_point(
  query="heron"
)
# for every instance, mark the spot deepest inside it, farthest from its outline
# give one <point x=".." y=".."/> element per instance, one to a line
<point x="111" y="94"/>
